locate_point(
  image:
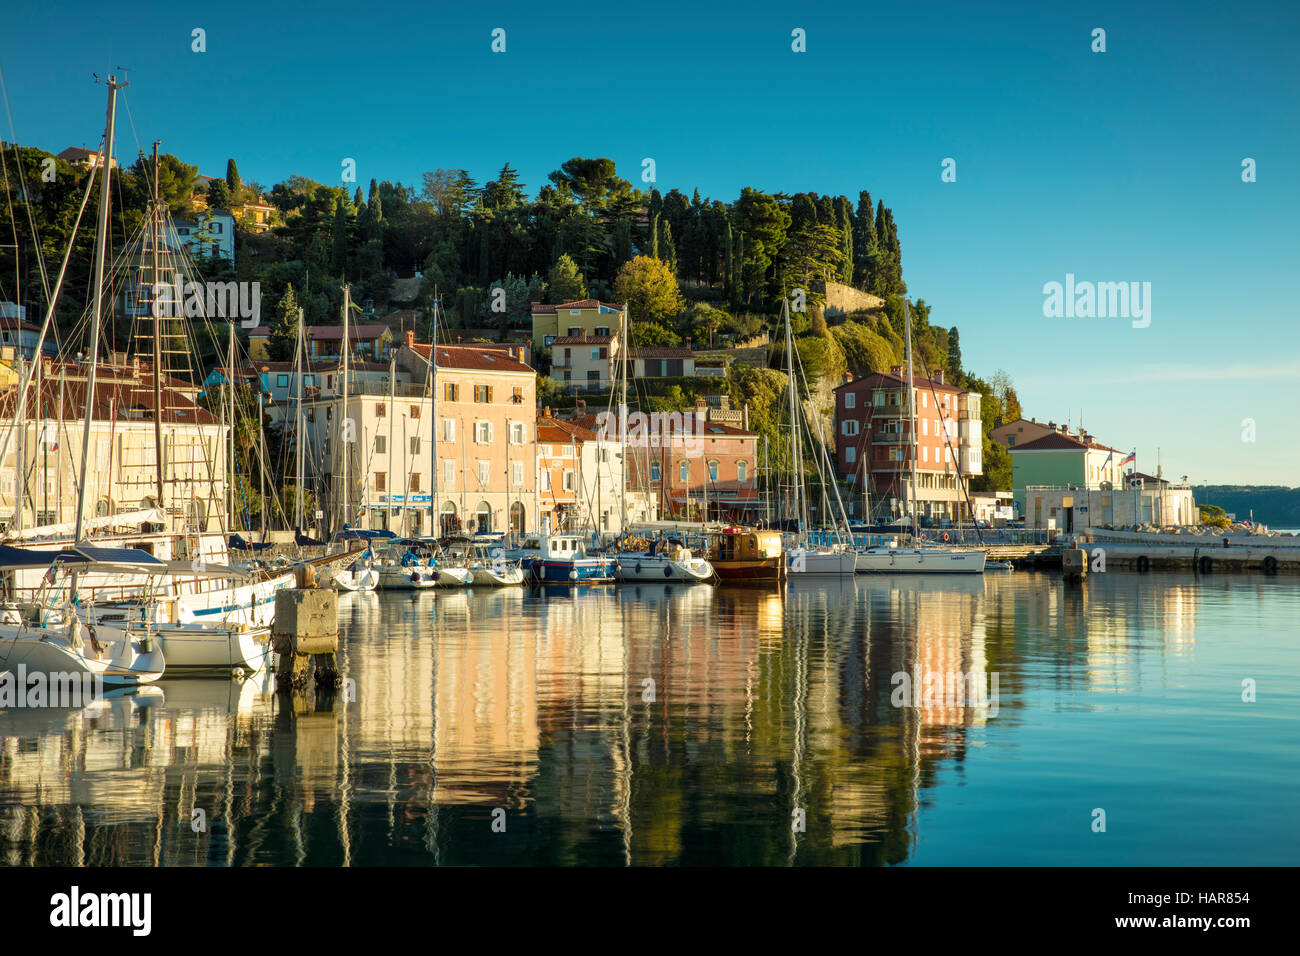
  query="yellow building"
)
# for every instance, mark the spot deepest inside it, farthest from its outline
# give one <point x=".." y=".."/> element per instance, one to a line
<point x="584" y="318"/>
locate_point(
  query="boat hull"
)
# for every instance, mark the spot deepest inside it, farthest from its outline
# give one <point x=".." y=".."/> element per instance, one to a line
<point x="122" y="664"/>
<point x="577" y="571"/>
<point x="407" y="579"/>
<point x="920" y="561"/>
<point x="643" y="567"/>
<point x="506" y="577"/>
<point x="762" y="572"/>
<point x="802" y="564"/>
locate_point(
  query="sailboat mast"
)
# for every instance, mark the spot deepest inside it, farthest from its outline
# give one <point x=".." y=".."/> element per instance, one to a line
<point x="911" y="412"/>
<point x="343" y="429"/>
<point x="299" y="516"/>
<point x="155" y="230"/>
<point x="622" y="421"/>
<point x="230" y="445"/>
<point x="392" y="407"/>
<point x="101" y="251"/>
<point x="434" y="528"/>
<point x="795" y="451"/>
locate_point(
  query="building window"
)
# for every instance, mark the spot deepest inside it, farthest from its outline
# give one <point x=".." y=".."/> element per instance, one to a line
<point x="449" y="429"/>
<point x="595" y="355"/>
<point x="849" y="426"/>
<point x="483" y="394"/>
<point x="381" y="410"/>
<point x="713" y="471"/>
<point x="414" y="482"/>
<point x="684" y="470"/>
<point x="602" y="330"/>
<point x="849" y="399"/>
<point x="415" y="444"/>
<point x="381" y="445"/>
<point x="309" y="381"/>
<point x="483" y="433"/>
<point x="381" y="481"/>
<point x="517" y="473"/>
<point x="448" y="474"/>
<point x="925" y="426"/>
<point x="654" y="471"/>
<point x="850" y="454"/>
<point x="450" y="391"/>
<point x="546" y="479"/>
<point x="415" y="411"/>
<point x="518" y="396"/>
<point x="570" y="480"/>
<point x="1011" y="441"/>
<point x="484" y="474"/>
<point x="742" y="471"/>
<point x="516" y="433"/>
<point x="282" y="381"/>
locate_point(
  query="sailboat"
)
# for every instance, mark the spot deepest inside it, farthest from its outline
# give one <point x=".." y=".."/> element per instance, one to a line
<point x="818" y="559"/>
<point x="918" y="560"/>
<point x="47" y="636"/>
<point x="203" y="601"/>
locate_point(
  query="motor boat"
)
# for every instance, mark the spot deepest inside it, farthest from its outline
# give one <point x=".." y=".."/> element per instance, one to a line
<point x="663" y="563"/>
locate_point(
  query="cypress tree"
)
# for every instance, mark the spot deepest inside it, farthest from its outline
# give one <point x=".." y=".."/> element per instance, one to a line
<point x="232" y="177"/>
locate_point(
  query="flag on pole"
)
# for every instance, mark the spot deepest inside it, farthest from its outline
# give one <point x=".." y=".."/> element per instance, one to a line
<point x="1132" y="456"/>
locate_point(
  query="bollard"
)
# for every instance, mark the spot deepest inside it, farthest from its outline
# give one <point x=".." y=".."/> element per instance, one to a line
<point x="1074" y="563"/>
<point x="306" y="627"/>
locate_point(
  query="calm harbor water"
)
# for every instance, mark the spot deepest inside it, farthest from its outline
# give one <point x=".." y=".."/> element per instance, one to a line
<point x="673" y="725"/>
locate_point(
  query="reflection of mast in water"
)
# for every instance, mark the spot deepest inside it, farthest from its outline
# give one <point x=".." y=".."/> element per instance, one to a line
<point x="800" y="731"/>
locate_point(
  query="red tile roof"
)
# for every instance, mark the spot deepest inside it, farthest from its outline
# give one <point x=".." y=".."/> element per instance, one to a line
<point x="553" y="431"/>
<point x="579" y="340"/>
<point x="474" y="359"/>
<point x="660" y="352"/>
<point x="887" y="379"/>
<point x="542" y="308"/>
<point x="1059" y="442"/>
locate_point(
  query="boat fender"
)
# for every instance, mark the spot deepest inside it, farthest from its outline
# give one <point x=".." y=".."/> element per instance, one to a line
<point x="1270" y="565"/>
<point x="668" y="572"/>
<point x="1143" y="563"/>
<point x="415" y="577"/>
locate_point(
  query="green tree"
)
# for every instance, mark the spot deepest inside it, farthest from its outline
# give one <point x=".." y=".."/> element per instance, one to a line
<point x="564" y="282"/>
<point x="232" y="177"/>
<point x="282" y="336"/>
<point x="218" y="195"/>
<point x="650" y="290"/>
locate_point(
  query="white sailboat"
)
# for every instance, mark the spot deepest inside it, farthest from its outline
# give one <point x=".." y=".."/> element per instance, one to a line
<point x="803" y="560"/>
<point x="918" y="560"/>
<point x="201" y="600"/>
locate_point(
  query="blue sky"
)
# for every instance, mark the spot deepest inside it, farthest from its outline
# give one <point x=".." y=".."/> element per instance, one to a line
<point x="1115" y="166"/>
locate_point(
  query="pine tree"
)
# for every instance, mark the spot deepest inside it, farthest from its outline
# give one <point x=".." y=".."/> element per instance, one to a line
<point x="667" y="248"/>
<point x="864" y="241"/>
<point x="232" y="177"/>
<point x="339" y="256"/>
<point x="282" y="337"/>
<point x="844" y="222"/>
<point x="563" y="281"/>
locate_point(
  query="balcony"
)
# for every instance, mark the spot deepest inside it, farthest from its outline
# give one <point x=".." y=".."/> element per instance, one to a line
<point x="889" y="438"/>
<point x="889" y="411"/>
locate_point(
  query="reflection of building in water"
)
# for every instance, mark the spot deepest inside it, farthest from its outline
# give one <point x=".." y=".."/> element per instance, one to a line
<point x="485" y="737"/>
<point x="116" y="782"/>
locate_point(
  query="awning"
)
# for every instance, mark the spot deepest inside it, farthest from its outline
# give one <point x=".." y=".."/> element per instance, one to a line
<point x="82" y="558"/>
<point x="131" y="519"/>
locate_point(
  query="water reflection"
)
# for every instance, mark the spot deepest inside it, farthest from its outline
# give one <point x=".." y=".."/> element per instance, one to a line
<point x="646" y="725"/>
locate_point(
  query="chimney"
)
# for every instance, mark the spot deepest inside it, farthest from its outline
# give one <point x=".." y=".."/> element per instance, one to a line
<point x="688" y="341"/>
<point x="1052" y="425"/>
<point x="580" y="406"/>
<point x="938" y="376"/>
<point x="896" y="370"/>
<point x="410" y="338"/>
<point x="848" y="377"/>
<point x="546" y="412"/>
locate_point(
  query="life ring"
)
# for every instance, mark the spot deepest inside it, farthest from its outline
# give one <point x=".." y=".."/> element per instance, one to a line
<point x="1143" y="563"/>
<point x="1270" y="565"/>
<point x="945" y="536"/>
